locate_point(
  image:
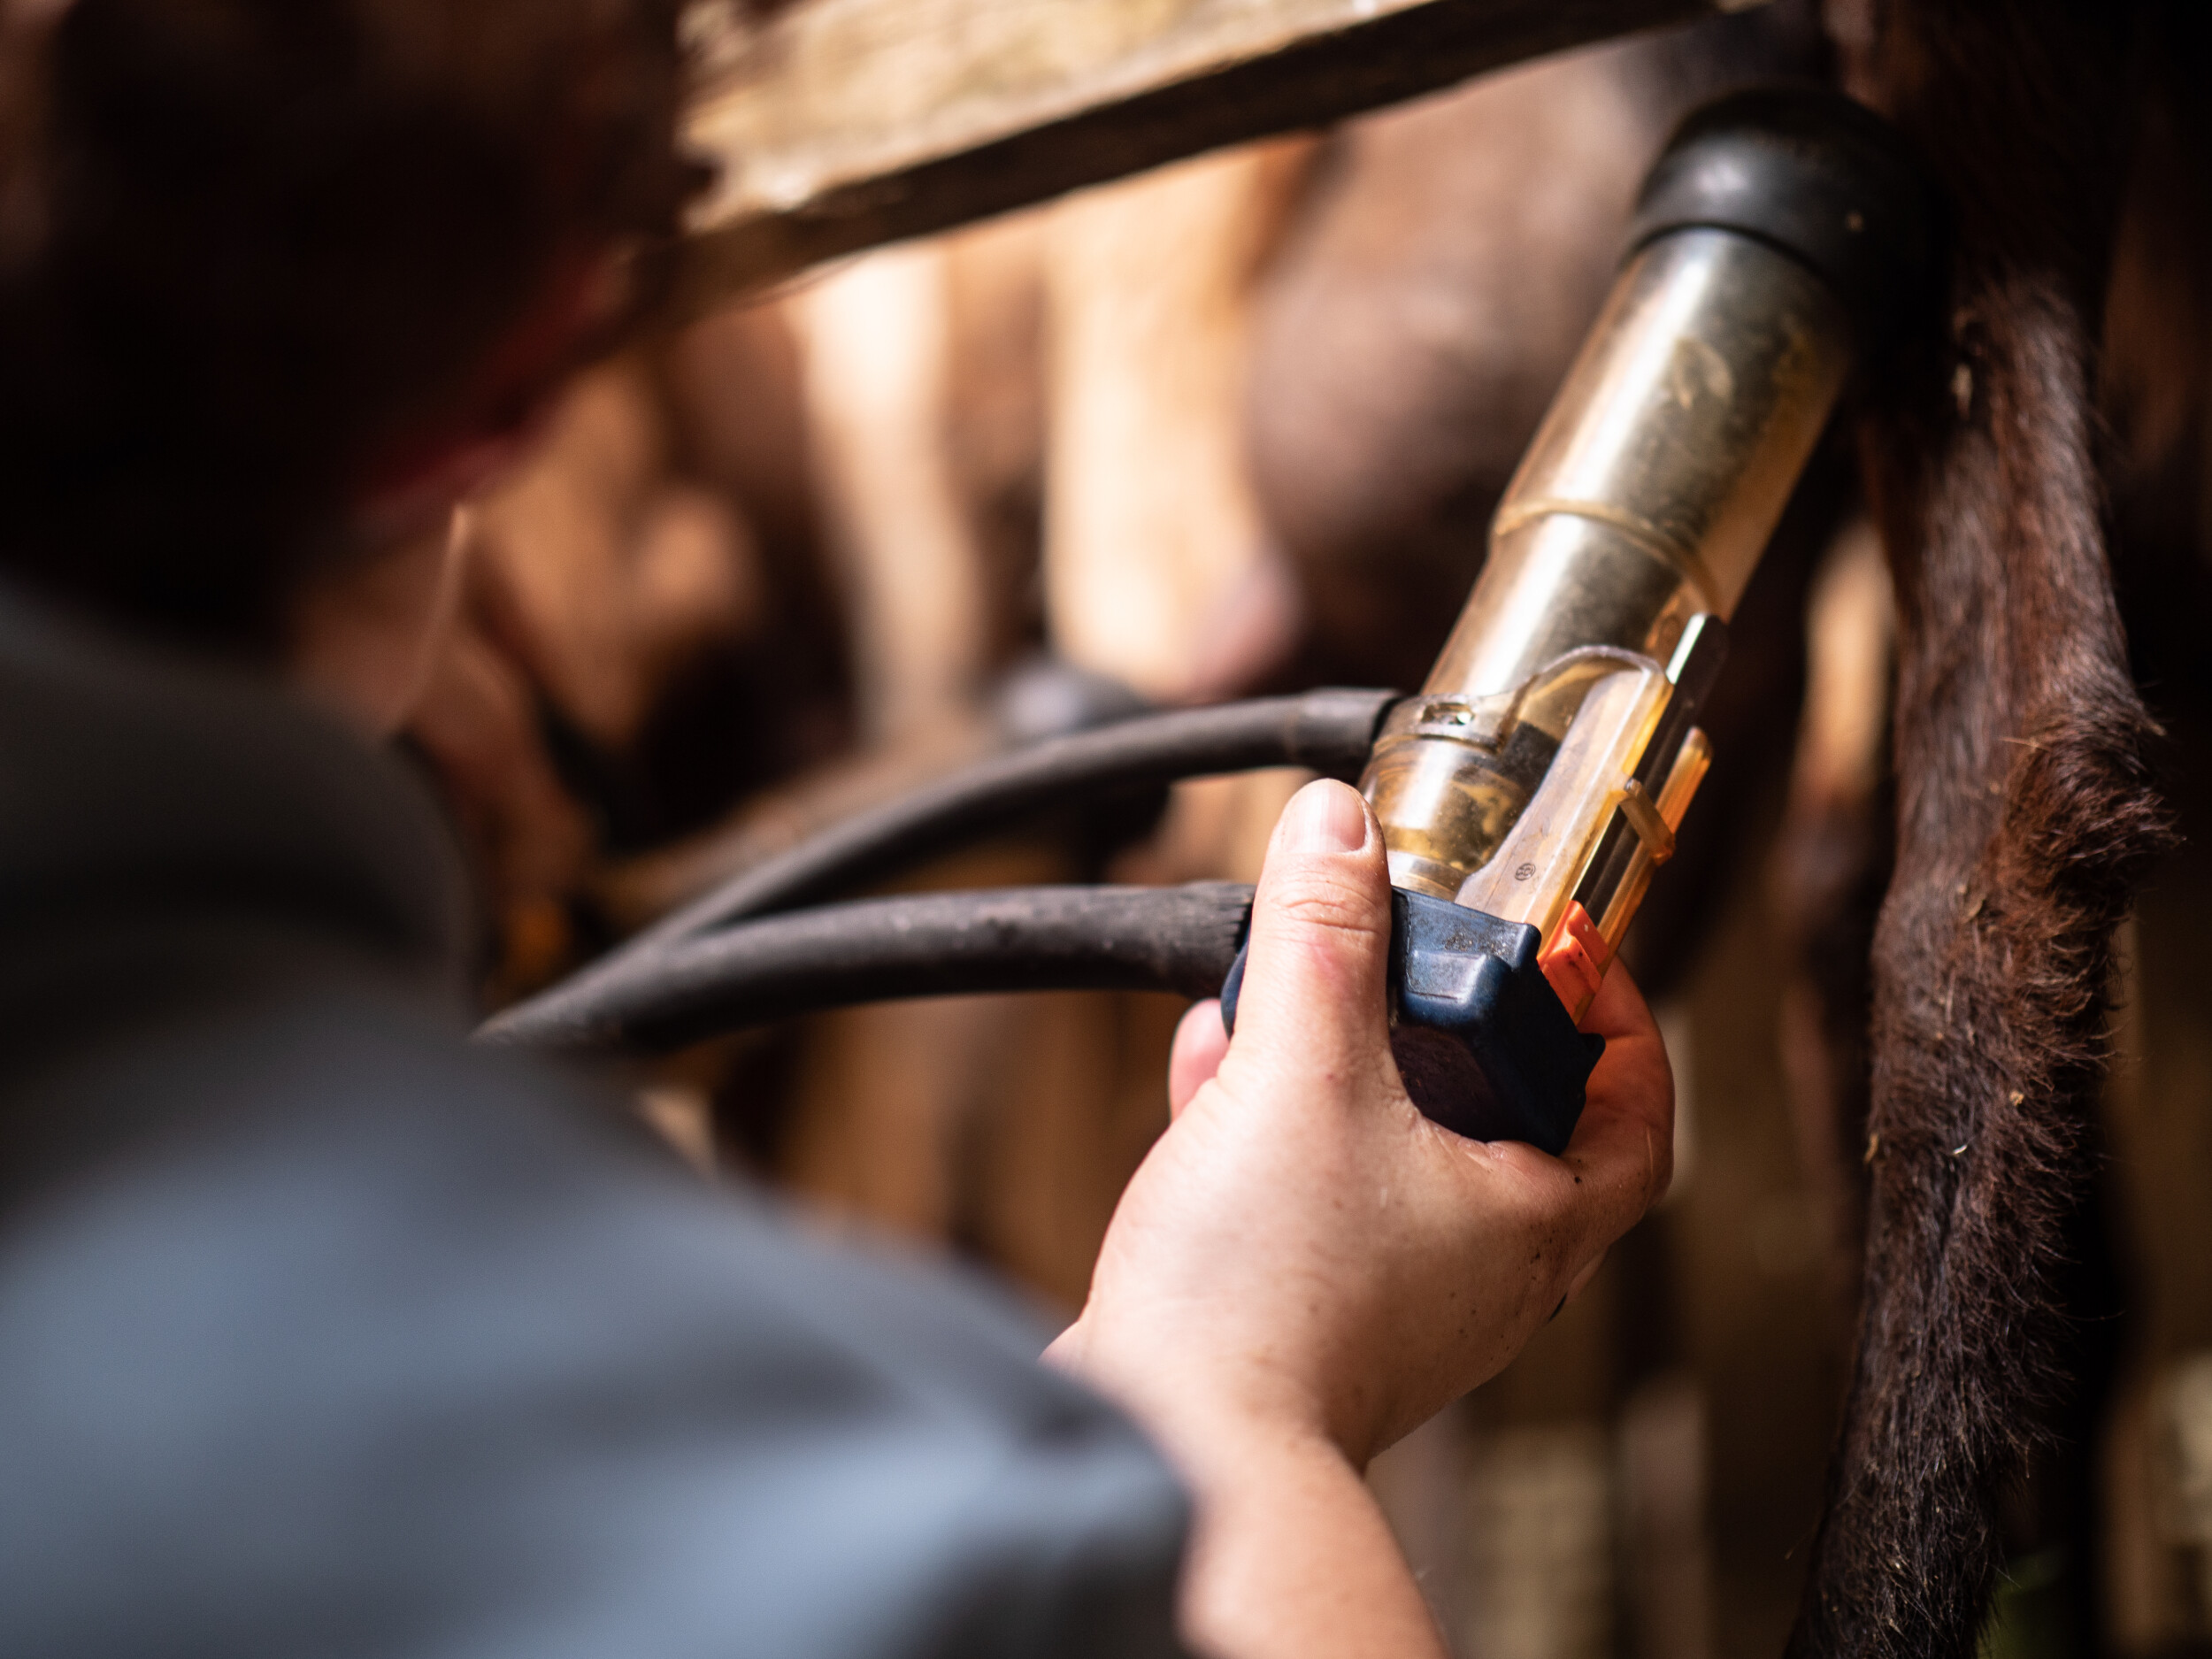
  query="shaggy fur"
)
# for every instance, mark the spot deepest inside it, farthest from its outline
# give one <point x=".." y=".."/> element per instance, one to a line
<point x="2025" y="816"/>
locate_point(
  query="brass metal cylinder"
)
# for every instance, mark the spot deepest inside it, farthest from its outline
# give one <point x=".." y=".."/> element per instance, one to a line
<point x="1646" y="499"/>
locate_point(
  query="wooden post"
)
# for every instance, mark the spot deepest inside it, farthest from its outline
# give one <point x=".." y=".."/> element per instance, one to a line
<point x="838" y="125"/>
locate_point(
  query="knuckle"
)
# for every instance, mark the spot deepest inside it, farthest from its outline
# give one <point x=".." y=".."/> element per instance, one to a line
<point x="1544" y="1206"/>
<point x="1319" y="901"/>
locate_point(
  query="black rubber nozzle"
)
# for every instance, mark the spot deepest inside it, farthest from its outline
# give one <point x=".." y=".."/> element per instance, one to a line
<point x="1816" y="175"/>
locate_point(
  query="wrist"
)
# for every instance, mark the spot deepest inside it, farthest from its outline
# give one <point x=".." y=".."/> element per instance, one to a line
<point x="1208" y="1413"/>
<point x="1290" y="1557"/>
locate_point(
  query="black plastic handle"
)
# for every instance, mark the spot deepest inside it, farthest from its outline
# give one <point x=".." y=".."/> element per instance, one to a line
<point x="1484" y="1045"/>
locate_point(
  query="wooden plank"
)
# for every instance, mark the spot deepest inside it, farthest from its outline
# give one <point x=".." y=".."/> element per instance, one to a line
<point x="839" y="124"/>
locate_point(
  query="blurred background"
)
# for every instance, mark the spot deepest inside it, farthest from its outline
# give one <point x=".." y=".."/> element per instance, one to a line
<point x="1237" y="426"/>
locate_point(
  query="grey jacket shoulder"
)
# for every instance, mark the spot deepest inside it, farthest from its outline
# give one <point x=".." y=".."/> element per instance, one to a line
<point x="378" y="1346"/>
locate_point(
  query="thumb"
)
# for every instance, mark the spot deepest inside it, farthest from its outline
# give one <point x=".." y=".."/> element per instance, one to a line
<point x="1313" y="997"/>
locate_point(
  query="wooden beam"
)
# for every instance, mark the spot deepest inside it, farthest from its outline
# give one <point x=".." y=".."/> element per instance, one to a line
<point x="838" y="125"/>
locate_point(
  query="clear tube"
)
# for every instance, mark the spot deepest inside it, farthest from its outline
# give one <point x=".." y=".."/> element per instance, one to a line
<point x="1645" y="502"/>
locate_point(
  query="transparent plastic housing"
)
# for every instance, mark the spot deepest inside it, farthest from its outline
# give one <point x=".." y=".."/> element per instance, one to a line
<point x="1644" y="503"/>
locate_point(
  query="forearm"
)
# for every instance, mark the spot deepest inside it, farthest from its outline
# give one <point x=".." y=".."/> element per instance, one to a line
<point x="1292" y="1559"/>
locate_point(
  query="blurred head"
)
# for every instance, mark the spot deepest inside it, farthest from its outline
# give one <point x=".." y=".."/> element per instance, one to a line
<point x="279" y="279"/>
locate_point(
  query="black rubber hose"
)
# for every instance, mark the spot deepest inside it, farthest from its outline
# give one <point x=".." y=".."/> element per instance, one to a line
<point x="934" y="944"/>
<point x="1328" y="731"/>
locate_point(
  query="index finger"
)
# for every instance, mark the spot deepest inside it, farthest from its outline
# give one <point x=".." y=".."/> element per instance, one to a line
<point x="1624" y="1143"/>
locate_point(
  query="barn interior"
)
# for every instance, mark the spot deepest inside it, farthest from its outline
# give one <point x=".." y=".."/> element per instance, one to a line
<point x="1213" y="398"/>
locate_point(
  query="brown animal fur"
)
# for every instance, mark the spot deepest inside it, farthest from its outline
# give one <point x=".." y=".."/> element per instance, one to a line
<point x="2025" y="815"/>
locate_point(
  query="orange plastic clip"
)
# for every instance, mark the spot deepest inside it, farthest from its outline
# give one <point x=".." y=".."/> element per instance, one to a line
<point x="1576" y="959"/>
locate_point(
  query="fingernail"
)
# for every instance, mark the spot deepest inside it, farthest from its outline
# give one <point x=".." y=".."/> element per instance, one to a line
<point x="1325" y="818"/>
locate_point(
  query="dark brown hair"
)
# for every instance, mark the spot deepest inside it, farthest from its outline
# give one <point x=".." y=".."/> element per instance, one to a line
<point x="2027" y="818"/>
<point x="248" y="246"/>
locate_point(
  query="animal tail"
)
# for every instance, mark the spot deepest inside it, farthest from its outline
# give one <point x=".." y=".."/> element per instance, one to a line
<point x="2026" y="812"/>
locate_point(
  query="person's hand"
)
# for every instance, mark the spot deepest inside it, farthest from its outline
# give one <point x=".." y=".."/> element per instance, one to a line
<point x="1305" y="1261"/>
<point x="1302" y="1244"/>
